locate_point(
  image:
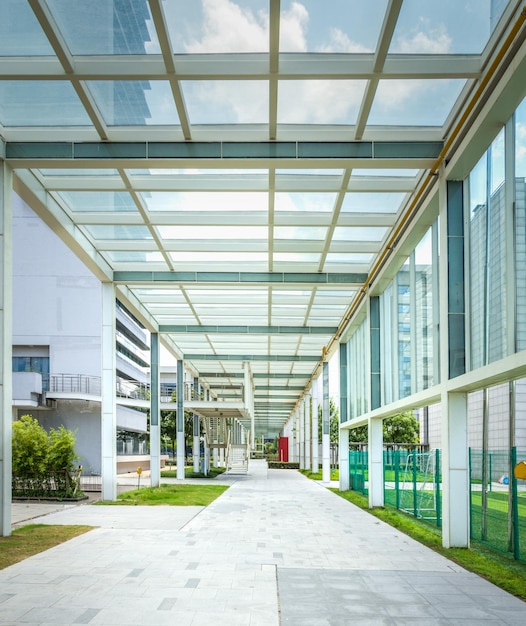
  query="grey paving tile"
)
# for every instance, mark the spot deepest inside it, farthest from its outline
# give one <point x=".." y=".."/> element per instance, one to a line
<point x="275" y="549"/>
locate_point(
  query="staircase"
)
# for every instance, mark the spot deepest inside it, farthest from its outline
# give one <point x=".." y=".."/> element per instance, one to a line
<point x="237" y="459"/>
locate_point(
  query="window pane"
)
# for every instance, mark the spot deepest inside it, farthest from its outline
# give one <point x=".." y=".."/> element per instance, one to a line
<point x="520" y="222"/>
<point x="424" y="312"/>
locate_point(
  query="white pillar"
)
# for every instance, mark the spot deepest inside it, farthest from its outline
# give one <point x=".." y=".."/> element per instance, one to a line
<point x="343" y="451"/>
<point x="108" y="405"/>
<point x="248" y="389"/>
<point x="455" y="471"/>
<point x="6" y="299"/>
<point x="301" y="438"/>
<point x="315" y="440"/>
<point x="308" y="430"/>
<point x="196" y="447"/>
<point x="181" y="452"/>
<point x="155" y="414"/>
<point x="376" y="463"/>
<point x="326" y="437"/>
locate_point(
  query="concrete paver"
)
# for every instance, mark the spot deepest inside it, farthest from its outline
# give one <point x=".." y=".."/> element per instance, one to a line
<point x="274" y="549"/>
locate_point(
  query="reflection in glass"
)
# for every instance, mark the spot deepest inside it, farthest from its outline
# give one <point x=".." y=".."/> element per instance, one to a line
<point x="520" y="223"/>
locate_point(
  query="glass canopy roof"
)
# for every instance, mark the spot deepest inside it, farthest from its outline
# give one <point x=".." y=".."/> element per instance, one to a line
<point x="236" y="167"/>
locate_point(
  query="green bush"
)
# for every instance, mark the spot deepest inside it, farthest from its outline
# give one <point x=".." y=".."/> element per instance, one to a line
<point x="283" y="465"/>
<point x="43" y="464"/>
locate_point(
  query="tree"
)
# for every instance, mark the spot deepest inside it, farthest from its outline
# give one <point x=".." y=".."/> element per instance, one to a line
<point x="403" y="428"/>
<point x="334" y="421"/>
<point x="169" y="426"/>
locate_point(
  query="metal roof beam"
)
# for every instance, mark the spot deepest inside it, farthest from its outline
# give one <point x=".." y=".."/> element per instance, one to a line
<point x="252" y="330"/>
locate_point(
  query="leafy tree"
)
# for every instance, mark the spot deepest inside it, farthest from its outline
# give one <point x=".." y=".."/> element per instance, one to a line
<point x="403" y="428"/>
<point x="169" y="426"/>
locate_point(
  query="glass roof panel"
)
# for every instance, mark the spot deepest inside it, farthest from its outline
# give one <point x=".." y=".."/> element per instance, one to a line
<point x="122" y="27"/>
<point x="445" y="27"/>
<point x="409" y="173"/>
<point x="410" y="102"/>
<point x="336" y="26"/>
<point x="226" y="101"/>
<point x="20" y="32"/>
<point x="359" y="233"/>
<point x="220" y="257"/>
<point x="372" y="202"/>
<point x="97" y="173"/>
<point x="95" y="201"/>
<point x="304" y="201"/>
<point x="302" y="232"/>
<point x="319" y="101"/>
<point x="206" y="201"/>
<point x="295" y="257"/>
<point x="114" y="232"/>
<point x="135" y="257"/>
<point x="213" y="232"/>
<point x="134" y="102"/>
<point x="343" y="257"/>
<point x="40" y="103"/>
<point x="226" y="26"/>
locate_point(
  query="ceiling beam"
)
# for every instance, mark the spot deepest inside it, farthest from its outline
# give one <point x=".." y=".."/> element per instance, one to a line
<point x="253" y="357"/>
<point x="252" y="330"/>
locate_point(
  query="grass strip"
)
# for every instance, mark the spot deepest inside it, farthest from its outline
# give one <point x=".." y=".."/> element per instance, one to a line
<point x="34" y="538"/>
<point x="169" y="495"/>
<point x="498" y="568"/>
<point x="189" y="473"/>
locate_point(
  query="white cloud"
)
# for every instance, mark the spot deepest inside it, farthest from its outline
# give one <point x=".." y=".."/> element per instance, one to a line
<point x="340" y="42"/>
<point x="229" y="28"/>
<point x="425" y="39"/>
<point x="293" y="28"/>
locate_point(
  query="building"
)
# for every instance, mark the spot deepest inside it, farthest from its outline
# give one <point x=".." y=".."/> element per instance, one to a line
<point x="57" y="346"/>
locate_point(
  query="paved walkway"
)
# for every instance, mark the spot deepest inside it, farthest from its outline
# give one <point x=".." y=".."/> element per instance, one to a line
<point x="275" y="549"/>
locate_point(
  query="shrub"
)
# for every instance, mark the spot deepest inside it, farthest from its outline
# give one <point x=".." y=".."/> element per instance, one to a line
<point x="283" y="465"/>
<point x="43" y="464"/>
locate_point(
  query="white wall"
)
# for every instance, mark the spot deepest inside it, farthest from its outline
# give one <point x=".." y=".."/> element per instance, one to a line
<point x="56" y="300"/>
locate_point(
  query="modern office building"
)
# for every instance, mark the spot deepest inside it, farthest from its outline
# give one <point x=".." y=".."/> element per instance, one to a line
<point x="266" y="185"/>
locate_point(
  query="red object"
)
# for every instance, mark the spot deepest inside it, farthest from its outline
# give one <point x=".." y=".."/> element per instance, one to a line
<point x="284" y="449"/>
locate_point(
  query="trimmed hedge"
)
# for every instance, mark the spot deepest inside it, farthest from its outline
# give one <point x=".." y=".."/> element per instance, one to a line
<point x="283" y="465"/>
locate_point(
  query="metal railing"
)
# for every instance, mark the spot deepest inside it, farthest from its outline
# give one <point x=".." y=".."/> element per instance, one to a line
<point x="71" y="383"/>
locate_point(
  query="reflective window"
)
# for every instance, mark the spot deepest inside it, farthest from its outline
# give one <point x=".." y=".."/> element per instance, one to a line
<point x="424" y="331"/>
<point x="520" y="223"/>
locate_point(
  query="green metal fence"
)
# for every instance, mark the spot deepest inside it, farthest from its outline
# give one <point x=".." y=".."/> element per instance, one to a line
<point x="498" y="501"/>
<point x="413" y="483"/>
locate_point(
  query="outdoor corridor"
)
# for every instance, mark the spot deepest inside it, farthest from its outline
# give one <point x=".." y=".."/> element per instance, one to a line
<point x="276" y="548"/>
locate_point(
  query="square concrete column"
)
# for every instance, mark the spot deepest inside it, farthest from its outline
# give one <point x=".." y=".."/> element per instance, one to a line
<point x="155" y="417"/>
<point x="308" y="431"/>
<point x="376" y="463"/>
<point x="455" y="471"/>
<point x="6" y="299"/>
<point x="301" y="438"/>
<point x="315" y="440"/>
<point x="196" y="444"/>
<point x="108" y="404"/>
<point x="181" y="452"/>
<point x="343" y="436"/>
<point x="326" y="438"/>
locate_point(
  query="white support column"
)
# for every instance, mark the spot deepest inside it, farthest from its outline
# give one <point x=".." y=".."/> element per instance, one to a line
<point x="308" y="430"/>
<point x="196" y="447"/>
<point x="301" y="438"/>
<point x="326" y="438"/>
<point x="6" y="298"/>
<point x="181" y="452"/>
<point x="376" y="463"/>
<point x="454" y="434"/>
<point x="155" y="413"/>
<point x="343" y="435"/>
<point x="108" y="405"/>
<point x="249" y="401"/>
<point x="315" y="440"/>
<point x="455" y="471"/>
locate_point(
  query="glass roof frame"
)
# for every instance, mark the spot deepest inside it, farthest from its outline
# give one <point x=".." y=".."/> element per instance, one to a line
<point x="288" y="181"/>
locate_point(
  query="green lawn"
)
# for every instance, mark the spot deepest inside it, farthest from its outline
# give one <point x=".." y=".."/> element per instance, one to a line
<point x="34" y="538"/>
<point x="171" y="495"/>
<point x="189" y="472"/>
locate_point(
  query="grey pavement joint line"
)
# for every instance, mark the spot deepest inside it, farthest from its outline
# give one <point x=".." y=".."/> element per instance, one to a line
<point x="87" y="616"/>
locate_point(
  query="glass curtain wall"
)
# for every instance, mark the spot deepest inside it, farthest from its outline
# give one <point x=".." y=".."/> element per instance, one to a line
<point x="358" y="351"/>
<point x="520" y="223"/>
<point x="487" y="257"/>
